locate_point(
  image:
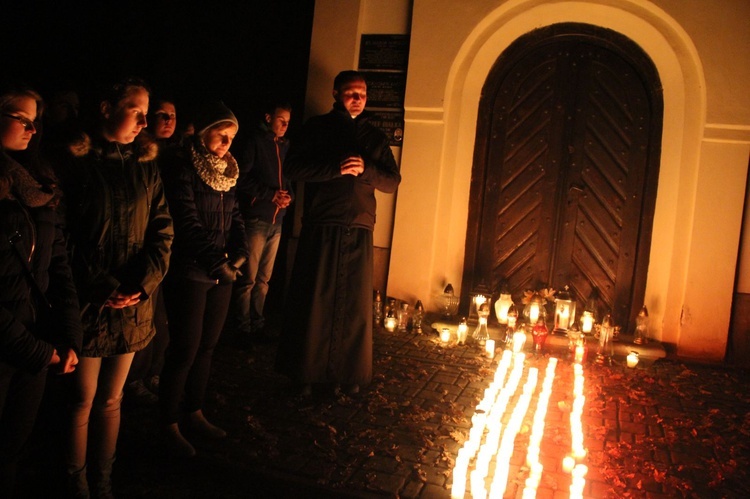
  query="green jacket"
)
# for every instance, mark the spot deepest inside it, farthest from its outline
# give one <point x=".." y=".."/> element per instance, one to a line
<point x="120" y="234"/>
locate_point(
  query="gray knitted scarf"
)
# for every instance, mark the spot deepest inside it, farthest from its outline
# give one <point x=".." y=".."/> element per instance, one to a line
<point x="218" y="173"/>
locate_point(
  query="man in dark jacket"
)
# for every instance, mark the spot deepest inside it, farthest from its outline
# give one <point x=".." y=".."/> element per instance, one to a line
<point x="342" y="159"/>
<point x="264" y="194"/>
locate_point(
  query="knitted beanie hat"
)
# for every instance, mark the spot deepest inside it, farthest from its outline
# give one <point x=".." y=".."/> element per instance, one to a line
<point x="212" y="113"/>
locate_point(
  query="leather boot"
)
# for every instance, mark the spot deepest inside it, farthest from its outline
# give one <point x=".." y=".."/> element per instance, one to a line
<point x="101" y="479"/>
<point x="77" y="485"/>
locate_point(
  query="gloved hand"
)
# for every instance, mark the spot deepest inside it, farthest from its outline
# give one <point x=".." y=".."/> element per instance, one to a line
<point x="224" y="272"/>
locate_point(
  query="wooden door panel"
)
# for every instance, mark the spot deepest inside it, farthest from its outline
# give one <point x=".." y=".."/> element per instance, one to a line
<point x="523" y="142"/>
<point x="560" y="187"/>
<point x="608" y="155"/>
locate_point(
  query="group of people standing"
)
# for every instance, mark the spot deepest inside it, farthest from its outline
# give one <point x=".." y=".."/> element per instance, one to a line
<point x="122" y="254"/>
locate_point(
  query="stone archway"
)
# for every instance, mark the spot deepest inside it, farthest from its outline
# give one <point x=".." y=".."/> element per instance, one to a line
<point x="437" y="159"/>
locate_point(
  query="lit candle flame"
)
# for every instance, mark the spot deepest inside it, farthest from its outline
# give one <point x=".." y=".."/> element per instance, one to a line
<point x="492" y="442"/>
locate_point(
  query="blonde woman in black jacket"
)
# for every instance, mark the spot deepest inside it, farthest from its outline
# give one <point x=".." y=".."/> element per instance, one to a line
<point x="209" y="247"/>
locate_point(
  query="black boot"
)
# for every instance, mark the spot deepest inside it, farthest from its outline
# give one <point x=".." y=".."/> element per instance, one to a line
<point x="77" y="486"/>
<point x="101" y="480"/>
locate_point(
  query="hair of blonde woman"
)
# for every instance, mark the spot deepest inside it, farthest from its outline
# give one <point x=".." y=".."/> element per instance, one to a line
<point x="11" y="94"/>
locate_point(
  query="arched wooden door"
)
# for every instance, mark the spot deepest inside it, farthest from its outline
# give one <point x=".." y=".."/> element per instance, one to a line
<point x="565" y="168"/>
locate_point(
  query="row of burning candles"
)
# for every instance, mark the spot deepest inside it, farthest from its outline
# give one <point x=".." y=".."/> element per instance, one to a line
<point x="490" y="442"/>
<point x="577" y="344"/>
<point x="535" y="309"/>
<point x="401" y="318"/>
<point x="397" y="316"/>
<point x="534" y="314"/>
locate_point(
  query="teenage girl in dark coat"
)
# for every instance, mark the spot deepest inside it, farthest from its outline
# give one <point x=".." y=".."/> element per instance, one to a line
<point x="209" y="247"/>
<point x="120" y="237"/>
<point x="39" y="324"/>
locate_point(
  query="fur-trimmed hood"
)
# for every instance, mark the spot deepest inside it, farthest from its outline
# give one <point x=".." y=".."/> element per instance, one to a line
<point x="144" y="146"/>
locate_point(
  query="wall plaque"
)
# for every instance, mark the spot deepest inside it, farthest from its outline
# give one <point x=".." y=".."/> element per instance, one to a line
<point x="385" y="89"/>
<point x="391" y="123"/>
<point x="384" y="52"/>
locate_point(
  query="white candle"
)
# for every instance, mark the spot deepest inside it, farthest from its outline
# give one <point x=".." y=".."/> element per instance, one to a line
<point x="563" y="318"/>
<point x="533" y="313"/>
<point x="458" y="491"/>
<point x="462" y="332"/>
<point x="503" y="314"/>
<point x="502" y="306"/>
<point x="587" y="322"/>
<point x="579" y="480"/>
<point x="489" y="347"/>
<point x="519" y="339"/>
<point x="580" y="350"/>
<point x="445" y="335"/>
<point x="390" y="324"/>
<point x="632" y="359"/>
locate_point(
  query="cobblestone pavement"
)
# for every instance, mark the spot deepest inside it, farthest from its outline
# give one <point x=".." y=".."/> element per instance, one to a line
<point x="663" y="429"/>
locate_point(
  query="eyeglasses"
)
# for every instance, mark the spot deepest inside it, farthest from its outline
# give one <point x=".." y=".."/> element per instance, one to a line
<point x="26" y="123"/>
<point x="165" y="116"/>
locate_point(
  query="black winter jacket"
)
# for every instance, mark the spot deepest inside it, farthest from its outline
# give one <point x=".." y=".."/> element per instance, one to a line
<point x="315" y="158"/>
<point x="208" y="226"/>
<point x="120" y="234"/>
<point x="261" y="175"/>
<point x="29" y="329"/>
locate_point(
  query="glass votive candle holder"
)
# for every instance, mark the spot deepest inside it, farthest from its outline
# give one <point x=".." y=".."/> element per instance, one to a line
<point x="445" y="335"/>
<point x="390" y="323"/>
<point x="632" y="359"/>
<point x="489" y="348"/>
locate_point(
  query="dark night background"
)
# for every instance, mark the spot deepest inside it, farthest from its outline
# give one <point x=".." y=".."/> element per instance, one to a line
<point x="241" y="51"/>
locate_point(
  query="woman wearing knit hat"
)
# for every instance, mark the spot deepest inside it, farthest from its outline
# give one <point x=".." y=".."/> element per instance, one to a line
<point x="208" y="249"/>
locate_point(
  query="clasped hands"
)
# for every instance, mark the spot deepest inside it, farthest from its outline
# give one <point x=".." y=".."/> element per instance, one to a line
<point x="353" y="165"/>
<point x="282" y="198"/>
<point x="124" y="296"/>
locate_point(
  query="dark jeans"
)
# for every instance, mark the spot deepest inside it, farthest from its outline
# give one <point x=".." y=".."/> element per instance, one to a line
<point x="20" y="396"/>
<point x="251" y="288"/>
<point x="196" y="312"/>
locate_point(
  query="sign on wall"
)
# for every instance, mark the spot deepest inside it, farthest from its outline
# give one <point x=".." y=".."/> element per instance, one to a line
<point x="384" y="52"/>
<point x="385" y="89"/>
<point x="383" y="60"/>
<point x="392" y="124"/>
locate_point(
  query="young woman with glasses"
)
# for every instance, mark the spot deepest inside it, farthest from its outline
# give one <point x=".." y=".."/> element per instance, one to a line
<point x="39" y="325"/>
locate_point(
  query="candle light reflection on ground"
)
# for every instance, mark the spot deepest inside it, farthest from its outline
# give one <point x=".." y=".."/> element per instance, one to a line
<point x="485" y="458"/>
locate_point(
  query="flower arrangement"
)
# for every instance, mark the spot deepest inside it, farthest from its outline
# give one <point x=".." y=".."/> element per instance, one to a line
<point x="547" y="294"/>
